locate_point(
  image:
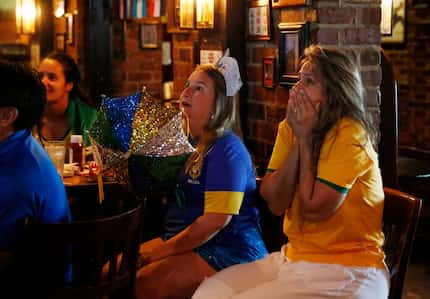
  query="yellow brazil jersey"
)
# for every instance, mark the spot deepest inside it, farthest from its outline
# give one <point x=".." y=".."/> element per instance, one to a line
<point x="352" y="236"/>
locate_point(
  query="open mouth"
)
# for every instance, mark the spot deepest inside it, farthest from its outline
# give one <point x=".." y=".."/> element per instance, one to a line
<point x="185" y="105"/>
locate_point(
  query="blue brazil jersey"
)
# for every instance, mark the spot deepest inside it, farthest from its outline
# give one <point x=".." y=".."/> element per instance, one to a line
<point x="226" y="185"/>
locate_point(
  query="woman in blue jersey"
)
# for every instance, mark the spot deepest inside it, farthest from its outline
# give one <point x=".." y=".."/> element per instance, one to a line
<point x="212" y="221"/>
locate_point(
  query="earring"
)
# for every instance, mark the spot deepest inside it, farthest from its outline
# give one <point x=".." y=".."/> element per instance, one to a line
<point x="212" y="116"/>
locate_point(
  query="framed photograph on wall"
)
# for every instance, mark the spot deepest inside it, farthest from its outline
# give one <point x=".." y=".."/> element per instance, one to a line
<point x="258" y="20"/>
<point x="396" y="36"/>
<point x="70" y="28"/>
<point x="294" y="37"/>
<point x="386" y="17"/>
<point x="60" y="42"/>
<point x="269" y="67"/>
<point x="148" y="34"/>
<point x="286" y="3"/>
<point x="186" y="14"/>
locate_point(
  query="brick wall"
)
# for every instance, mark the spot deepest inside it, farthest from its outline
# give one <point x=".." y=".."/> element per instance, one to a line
<point x="133" y="66"/>
<point x="411" y="67"/>
<point x="352" y="25"/>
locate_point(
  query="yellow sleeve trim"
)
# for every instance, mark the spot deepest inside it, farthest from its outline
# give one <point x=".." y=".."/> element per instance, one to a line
<point x="223" y="202"/>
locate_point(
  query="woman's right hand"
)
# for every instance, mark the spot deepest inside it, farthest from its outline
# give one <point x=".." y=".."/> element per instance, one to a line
<point x="302" y="115"/>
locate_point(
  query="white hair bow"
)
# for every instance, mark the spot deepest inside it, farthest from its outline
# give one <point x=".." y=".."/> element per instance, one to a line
<point x="230" y="70"/>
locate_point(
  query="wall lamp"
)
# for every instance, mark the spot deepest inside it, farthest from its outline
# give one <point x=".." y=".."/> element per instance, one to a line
<point x="25" y="16"/>
<point x="203" y="10"/>
<point x="59" y="8"/>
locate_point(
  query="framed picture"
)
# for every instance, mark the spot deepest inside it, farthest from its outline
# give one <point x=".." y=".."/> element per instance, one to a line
<point x="186" y="14"/>
<point x="286" y="3"/>
<point x="60" y="42"/>
<point x="394" y="32"/>
<point x="269" y="67"/>
<point x="148" y="34"/>
<point x="258" y="20"/>
<point x="386" y="17"/>
<point x="293" y="39"/>
<point x="70" y="28"/>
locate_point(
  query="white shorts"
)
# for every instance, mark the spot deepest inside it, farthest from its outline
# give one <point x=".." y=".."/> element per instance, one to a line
<point x="275" y="277"/>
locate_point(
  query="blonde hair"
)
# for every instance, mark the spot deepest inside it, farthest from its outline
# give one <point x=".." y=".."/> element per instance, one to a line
<point x="222" y="119"/>
<point x="340" y="75"/>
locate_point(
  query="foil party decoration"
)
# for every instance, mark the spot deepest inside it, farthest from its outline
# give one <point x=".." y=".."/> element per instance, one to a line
<point x="142" y="125"/>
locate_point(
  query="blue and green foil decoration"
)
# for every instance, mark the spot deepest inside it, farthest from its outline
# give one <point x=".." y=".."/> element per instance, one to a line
<point x="140" y="133"/>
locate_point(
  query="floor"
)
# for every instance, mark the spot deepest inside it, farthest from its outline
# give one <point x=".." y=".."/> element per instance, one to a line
<point x="417" y="283"/>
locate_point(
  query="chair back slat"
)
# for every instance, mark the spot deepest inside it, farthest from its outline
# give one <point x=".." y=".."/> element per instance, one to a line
<point x="400" y="221"/>
<point x="89" y="246"/>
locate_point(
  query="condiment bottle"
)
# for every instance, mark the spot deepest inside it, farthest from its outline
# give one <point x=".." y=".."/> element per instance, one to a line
<point x="76" y="150"/>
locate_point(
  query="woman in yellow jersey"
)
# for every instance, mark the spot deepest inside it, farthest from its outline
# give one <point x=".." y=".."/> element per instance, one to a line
<point x="324" y="177"/>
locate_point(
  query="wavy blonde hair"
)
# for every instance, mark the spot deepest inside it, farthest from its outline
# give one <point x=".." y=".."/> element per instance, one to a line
<point x="340" y="75"/>
<point x="222" y="119"/>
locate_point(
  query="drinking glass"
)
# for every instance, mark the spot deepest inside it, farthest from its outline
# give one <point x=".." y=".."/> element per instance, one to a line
<point x="56" y="151"/>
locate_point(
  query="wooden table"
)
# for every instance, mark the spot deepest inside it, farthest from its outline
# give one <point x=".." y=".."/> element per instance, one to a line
<point x="83" y="195"/>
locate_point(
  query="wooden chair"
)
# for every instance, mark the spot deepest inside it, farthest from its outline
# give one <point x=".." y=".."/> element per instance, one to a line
<point x="400" y="221"/>
<point x="102" y="254"/>
<point x="389" y="125"/>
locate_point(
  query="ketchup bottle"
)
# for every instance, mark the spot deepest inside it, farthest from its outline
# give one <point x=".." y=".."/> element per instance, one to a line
<point x="76" y="150"/>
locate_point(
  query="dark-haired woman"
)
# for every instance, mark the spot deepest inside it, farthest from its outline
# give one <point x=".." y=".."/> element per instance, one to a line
<point x="67" y="111"/>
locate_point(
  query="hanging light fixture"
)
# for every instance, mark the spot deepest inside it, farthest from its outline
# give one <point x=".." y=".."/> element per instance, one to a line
<point x="205" y="14"/>
<point x="59" y="8"/>
<point x="25" y="16"/>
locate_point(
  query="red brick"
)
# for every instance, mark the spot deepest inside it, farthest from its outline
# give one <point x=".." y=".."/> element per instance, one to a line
<point x="327" y="36"/>
<point x="254" y="73"/>
<point x="370" y="16"/>
<point x="371" y="77"/>
<point x="255" y="111"/>
<point x="370" y="56"/>
<point x="368" y="35"/>
<point x="261" y="94"/>
<point x="139" y="77"/>
<point x="265" y="130"/>
<point x="275" y="113"/>
<point x="334" y="15"/>
<point x="372" y="97"/>
<point x="260" y="53"/>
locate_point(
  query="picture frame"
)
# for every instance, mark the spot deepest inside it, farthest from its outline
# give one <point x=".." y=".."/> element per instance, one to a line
<point x="288" y="3"/>
<point x="269" y="68"/>
<point x="70" y="29"/>
<point x="386" y="17"/>
<point x="396" y="36"/>
<point x="148" y="34"/>
<point x="294" y="38"/>
<point x="186" y="14"/>
<point x="258" y="20"/>
<point x="60" y="42"/>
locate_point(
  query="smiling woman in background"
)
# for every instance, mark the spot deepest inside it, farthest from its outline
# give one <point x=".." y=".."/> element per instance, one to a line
<point x="67" y="110"/>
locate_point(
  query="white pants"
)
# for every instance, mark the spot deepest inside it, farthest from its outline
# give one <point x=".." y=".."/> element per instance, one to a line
<point x="274" y="277"/>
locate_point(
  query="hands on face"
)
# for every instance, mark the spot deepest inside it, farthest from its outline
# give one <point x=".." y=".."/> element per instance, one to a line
<point x="302" y="113"/>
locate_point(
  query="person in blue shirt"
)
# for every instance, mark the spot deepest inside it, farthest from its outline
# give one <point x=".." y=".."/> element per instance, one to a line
<point x="212" y="221"/>
<point x="30" y="184"/>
